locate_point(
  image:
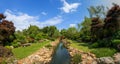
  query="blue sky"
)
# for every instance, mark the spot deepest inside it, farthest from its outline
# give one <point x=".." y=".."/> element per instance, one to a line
<point x="61" y="13"/>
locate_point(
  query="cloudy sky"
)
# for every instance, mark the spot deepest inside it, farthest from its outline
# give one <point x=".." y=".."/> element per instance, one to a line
<point x="61" y="13"/>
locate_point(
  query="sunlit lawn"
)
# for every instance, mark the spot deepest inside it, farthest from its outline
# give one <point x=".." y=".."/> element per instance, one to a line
<point x="23" y="52"/>
<point x="81" y="46"/>
<point x="99" y="52"/>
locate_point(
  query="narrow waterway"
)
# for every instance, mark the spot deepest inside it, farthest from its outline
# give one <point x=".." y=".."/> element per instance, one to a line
<point x="61" y="55"/>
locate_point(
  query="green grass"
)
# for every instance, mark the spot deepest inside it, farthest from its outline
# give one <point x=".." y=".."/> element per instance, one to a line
<point x="23" y="52"/>
<point x="81" y="46"/>
<point x="99" y="52"/>
<point x="103" y="52"/>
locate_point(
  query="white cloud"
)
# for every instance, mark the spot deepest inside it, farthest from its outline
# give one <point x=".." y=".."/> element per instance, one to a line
<point x="43" y="13"/>
<point x="52" y="21"/>
<point x="23" y="20"/>
<point x="72" y="25"/>
<point x="67" y="8"/>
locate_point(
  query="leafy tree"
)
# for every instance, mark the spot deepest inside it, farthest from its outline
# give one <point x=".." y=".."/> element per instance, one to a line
<point x="112" y="19"/>
<point x="7" y="30"/>
<point x="32" y="31"/>
<point x="51" y="31"/>
<point x="56" y="34"/>
<point x="70" y="33"/>
<point x="96" y="11"/>
<point x="63" y="32"/>
<point x="96" y="29"/>
<point x="85" y="30"/>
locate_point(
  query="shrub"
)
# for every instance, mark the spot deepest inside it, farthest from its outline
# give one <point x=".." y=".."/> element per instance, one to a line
<point x="103" y="52"/>
<point x="48" y="46"/>
<point x="94" y="45"/>
<point x="76" y="59"/>
<point x="115" y="43"/>
<point x="8" y="47"/>
<point x="4" y="52"/>
<point x="15" y="44"/>
<point x="105" y="42"/>
<point x="3" y="62"/>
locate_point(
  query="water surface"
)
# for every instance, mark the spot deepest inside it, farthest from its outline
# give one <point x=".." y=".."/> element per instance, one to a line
<point x="61" y="55"/>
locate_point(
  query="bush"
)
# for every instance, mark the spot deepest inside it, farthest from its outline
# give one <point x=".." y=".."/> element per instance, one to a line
<point x="4" y="52"/>
<point x="3" y="62"/>
<point x="94" y="45"/>
<point x="15" y="44"/>
<point x="105" y="43"/>
<point x="103" y="52"/>
<point x="8" y="47"/>
<point x="51" y="38"/>
<point x="115" y="43"/>
<point x="48" y="46"/>
<point x="76" y="59"/>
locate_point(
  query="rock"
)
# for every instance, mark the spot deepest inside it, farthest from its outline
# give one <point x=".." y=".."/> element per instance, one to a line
<point x="117" y="58"/>
<point x="25" y="45"/>
<point x="105" y="60"/>
<point x="94" y="62"/>
<point x="84" y="56"/>
<point x="11" y="47"/>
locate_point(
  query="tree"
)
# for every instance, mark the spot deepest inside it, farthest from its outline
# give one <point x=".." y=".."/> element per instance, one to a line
<point x="51" y="31"/>
<point x="112" y="21"/>
<point x="97" y="11"/>
<point x="32" y="31"/>
<point x="63" y="32"/>
<point x="2" y="17"/>
<point x="78" y="26"/>
<point x="85" y="29"/>
<point x="7" y="29"/>
<point x="70" y="33"/>
<point x="96" y="29"/>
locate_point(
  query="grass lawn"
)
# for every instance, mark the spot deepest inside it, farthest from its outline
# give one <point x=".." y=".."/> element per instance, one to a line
<point x="22" y="52"/>
<point x="81" y="46"/>
<point x="99" y="52"/>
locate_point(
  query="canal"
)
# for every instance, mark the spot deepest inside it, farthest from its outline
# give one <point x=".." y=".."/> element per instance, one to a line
<point x="61" y="55"/>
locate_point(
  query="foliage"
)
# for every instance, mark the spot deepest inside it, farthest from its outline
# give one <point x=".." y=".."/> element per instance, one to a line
<point x="96" y="29"/>
<point x="99" y="52"/>
<point x="76" y="59"/>
<point x="112" y="21"/>
<point x="115" y="43"/>
<point x="51" y="31"/>
<point x="103" y="52"/>
<point x="32" y="31"/>
<point x="7" y="29"/>
<point x="105" y="33"/>
<point x="5" y="52"/>
<point x="85" y="30"/>
<point x="94" y="45"/>
<point x="48" y="46"/>
<point x="70" y="33"/>
<point x="96" y="11"/>
<point x="15" y="44"/>
<point x="3" y="62"/>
